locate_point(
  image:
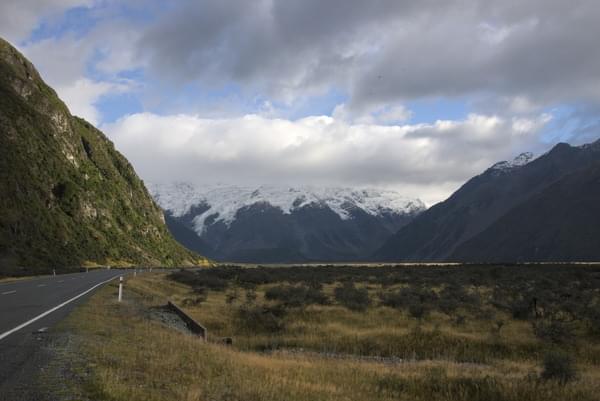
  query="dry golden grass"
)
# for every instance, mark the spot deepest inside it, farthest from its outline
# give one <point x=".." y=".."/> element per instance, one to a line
<point x="132" y="357"/>
<point x="378" y="331"/>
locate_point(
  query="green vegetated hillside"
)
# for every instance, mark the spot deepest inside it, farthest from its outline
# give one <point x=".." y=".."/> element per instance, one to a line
<point x="68" y="198"/>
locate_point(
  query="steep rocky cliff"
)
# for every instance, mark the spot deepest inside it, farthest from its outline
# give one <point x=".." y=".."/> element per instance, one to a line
<point x="67" y="197"/>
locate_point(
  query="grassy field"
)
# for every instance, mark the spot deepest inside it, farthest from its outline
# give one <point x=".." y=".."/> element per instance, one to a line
<point x="348" y="333"/>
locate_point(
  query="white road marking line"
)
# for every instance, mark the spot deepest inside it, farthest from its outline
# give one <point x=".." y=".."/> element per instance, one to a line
<point x="38" y="317"/>
<point x="9" y="292"/>
<point x="61" y="281"/>
<point x="41" y="285"/>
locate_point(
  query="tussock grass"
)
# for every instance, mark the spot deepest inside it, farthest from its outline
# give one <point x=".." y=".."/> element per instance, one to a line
<point x="316" y="357"/>
<point x="472" y="314"/>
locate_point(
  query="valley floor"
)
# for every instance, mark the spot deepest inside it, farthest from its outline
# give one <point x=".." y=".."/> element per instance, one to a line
<point x="343" y="334"/>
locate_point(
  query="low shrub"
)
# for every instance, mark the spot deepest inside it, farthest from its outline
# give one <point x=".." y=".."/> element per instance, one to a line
<point x="594" y="322"/>
<point x="417" y="301"/>
<point x="460" y="320"/>
<point x="448" y="305"/>
<point x="393" y="299"/>
<point x="296" y="296"/>
<point x="260" y="318"/>
<point x="232" y="296"/>
<point x="559" y="366"/>
<point x="553" y="331"/>
<point x="520" y="309"/>
<point x="251" y="296"/>
<point x="356" y="299"/>
<point x="417" y="310"/>
<point x="195" y="301"/>
<point x="207" y="281"/>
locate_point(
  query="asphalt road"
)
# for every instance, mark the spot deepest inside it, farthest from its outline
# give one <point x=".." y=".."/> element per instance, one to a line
<point x="28" y="309"/>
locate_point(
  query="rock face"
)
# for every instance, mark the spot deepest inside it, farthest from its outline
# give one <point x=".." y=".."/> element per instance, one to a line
<point x="526" y="210"/>
<point x="68" y="197"/>
<point x="282" y="224"/>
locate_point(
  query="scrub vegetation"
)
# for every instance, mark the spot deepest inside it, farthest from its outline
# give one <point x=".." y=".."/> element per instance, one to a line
<point x="349" y="333"/>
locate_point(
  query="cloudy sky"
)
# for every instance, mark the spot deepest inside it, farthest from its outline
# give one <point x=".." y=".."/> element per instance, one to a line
<point x="413" y="95"/>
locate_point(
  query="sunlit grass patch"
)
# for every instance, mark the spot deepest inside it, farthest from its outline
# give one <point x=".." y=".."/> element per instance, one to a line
<point x="324" y="352"/>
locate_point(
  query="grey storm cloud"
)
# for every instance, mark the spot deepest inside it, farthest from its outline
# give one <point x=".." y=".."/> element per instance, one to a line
<point x="384" y="51"/>
<point x="18" y="17"/>
<point x="285" y="47"/>
<point x="522" y="69"/>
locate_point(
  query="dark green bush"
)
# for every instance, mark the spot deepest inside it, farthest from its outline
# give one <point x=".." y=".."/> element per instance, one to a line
<point x="232" y="295"/>
<point x="395" y="299"/>
<point x="68" y="194"/>
<point x="558" y="366"/>
<point x="448" y="305"/>
<point x="520" y="309"/>
<point x="296" y="296"/>
<point x="593" y="316"/>
<point x="193" y="279"/>
<point x="553" y="331"/>
<point x="524" y="292"/>
<point x="417" y="309"/>
<point x="356" y="299"/>
<point x="417" y="301"/>
<point x="260" y="318"/>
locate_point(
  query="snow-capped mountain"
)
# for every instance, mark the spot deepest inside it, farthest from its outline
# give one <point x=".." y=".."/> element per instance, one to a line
<point x="527" y="210"/>
<point x="271" y="223"/>
<point x="224" y="202"/>
<point x="519" y="161"/>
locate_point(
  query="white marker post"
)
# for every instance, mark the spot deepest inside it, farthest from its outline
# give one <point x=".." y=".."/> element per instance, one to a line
<point x="53" y="272"/>
<point x="134" y="272"/>
<point x="120" y="288"/>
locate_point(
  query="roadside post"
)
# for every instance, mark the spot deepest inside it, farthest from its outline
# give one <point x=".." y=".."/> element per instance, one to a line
<point x="120" y="288"/>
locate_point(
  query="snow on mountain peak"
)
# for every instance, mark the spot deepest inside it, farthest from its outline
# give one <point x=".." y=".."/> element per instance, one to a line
<point x="223" y="201"/>
<point x="518" y="161"/>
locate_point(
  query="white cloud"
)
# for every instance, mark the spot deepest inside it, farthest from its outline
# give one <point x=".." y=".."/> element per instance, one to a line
<point x="81" y="96"/>
<point x="61" y="61"/>
<point x="508" y="62"/>
<point x="373" y="114"/>
<point x="393" y="114"/>
<point x="113" y="42"/>
<point x="527" y="126"/>
<point x="63" y="64"/>
<point x="424" y="160"/>
<point x="517" y="57"/>
<point x="19" y="17"/>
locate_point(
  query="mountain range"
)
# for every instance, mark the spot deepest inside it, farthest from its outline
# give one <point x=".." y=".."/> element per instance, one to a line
<point x="283" y="224"/>
<point x="546" y="209"/>
<point x="68" y="198"/>
<point x="525" y="210"/>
